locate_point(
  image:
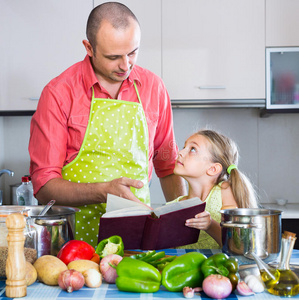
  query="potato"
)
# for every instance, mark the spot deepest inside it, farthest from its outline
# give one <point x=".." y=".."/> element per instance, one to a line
<point x="48" y="268"/>
<point x="82" y="265"/>
<point x="31" y="274"/>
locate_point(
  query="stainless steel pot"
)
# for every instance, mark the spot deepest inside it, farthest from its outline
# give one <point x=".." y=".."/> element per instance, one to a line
<point x="47" y="233"/>
<point x="246" y="230"/>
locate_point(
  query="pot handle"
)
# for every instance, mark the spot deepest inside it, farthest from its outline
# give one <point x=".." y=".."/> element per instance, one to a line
<point x="47" y="222"/>
<point x="234" y="225"/>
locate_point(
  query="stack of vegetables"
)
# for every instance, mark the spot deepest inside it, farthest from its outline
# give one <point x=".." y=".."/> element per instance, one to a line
<point x="78" y="264"/>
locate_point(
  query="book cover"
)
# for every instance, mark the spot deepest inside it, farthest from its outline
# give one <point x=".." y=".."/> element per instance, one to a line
<point x="145" y="228"/>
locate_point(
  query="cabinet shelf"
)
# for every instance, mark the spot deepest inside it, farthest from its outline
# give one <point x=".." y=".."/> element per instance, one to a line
<point x="219" y="103"/>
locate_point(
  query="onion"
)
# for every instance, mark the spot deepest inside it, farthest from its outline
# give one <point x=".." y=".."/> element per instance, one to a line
<point x="93" y="278"/>
<point x="217" y="286"/>
<point x="108" y="271"/>
<point x="70" y="280"/>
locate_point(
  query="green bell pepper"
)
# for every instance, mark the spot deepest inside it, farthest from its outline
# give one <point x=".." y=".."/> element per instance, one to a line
<point x="185" y="270"/>
<point x="111" y="245"/>
<point x="137" y="276"/>
<point x="222" y="264"/>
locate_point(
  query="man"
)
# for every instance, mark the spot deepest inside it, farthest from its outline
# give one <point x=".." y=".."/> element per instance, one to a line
<point x="102" y="124"/>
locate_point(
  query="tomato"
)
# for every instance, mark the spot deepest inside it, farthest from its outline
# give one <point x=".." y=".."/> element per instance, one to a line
<point x="74" y="250"/>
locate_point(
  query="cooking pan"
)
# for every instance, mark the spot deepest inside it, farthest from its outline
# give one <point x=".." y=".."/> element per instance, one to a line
<point x="246" y="230"/>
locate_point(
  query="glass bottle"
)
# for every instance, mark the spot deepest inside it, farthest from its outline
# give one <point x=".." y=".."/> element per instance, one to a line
<point x="23" y="192"/>
<point x="281" y="281"/>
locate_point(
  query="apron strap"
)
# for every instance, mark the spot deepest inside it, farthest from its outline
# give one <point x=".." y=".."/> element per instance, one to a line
<point x="92" y="96"/>
<point x="135" y="86"/>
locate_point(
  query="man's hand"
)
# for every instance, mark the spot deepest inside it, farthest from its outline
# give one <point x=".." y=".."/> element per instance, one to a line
<point x="121" y="187"/>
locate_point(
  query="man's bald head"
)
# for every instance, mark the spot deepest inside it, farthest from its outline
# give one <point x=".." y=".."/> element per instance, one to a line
<point x="117" y="14"/>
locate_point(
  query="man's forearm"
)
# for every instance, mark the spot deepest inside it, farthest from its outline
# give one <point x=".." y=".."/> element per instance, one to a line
<point x="71" y="193"/>
<point x="173" y="186"/>
<point x="76" y="194"/>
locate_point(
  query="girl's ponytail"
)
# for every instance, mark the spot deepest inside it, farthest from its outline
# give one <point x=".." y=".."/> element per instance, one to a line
<point x="242" y="189"/>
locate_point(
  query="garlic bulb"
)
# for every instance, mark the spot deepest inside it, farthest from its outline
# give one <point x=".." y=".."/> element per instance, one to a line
<point x="70" y="280"/>
<point x="254" y="283"/>
<point x="93" y="278"/>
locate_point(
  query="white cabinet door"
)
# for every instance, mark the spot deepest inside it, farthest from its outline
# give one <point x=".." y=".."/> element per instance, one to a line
<point x="213" y="49"/>
<point x="282" y="23"/>
<point x="148" y="14"/>
<point x="39" y="40"/>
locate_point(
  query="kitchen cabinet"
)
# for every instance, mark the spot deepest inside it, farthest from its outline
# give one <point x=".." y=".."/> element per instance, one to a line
<point x="213" y="49"/>
<point x="148" y="14"/>
<point x="39" y="40"/>
<point x="282" y="23"/>
<point x="282" y="78"/>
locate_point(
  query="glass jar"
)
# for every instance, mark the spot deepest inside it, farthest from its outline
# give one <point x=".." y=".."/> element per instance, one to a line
<point x="29" y="233"/>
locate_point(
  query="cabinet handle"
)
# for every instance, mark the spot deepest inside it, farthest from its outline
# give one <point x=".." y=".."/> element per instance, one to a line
<point x="34" y="98"/>
<point x="212" y="87"/>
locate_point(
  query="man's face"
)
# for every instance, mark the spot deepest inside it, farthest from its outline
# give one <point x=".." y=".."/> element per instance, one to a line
<point x="116" y="52"/>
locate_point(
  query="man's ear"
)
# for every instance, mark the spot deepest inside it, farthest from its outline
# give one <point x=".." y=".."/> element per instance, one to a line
<point x="88" y="48"/>
<point x="215" y="169"/>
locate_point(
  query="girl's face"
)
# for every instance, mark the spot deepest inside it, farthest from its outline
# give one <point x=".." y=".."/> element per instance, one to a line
<point x="195" y="159"/>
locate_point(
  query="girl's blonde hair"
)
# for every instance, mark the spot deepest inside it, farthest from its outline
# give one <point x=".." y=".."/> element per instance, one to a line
<point x="224" y="151"/>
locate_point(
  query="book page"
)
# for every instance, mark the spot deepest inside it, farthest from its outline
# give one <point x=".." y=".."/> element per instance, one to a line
<point x="126" y="212"/>
<point x="120" y="207"/>
<point x="167" y="208"/>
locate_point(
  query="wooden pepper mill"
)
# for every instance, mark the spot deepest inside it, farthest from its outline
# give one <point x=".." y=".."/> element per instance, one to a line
<point x="16" y="264"/>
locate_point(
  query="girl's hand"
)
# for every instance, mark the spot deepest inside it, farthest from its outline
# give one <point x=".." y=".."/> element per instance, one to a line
<point x="201" y="221"/>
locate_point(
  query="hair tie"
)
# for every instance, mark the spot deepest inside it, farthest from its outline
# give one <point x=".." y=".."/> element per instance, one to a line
<point x="231" y="167"/>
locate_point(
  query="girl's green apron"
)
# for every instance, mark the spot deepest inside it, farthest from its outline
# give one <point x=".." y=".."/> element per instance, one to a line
<point x="115" y="145"/>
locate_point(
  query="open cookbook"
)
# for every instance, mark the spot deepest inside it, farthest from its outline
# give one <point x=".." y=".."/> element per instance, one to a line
<point x="147" y="229"/>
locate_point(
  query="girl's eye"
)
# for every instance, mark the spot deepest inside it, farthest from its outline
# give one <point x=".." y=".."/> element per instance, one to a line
<point x="192" y="149"/>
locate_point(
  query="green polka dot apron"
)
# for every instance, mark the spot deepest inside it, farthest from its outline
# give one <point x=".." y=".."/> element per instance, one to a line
<point x="115" y="145"/>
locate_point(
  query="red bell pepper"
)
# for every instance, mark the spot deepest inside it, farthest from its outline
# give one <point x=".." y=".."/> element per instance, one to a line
<point x="74" y="250"/>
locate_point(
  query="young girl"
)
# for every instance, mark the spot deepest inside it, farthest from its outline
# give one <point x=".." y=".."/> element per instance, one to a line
<point x="208" y="163"/>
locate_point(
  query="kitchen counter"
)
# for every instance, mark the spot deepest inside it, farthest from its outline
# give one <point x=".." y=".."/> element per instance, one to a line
<point x="109" y="291"/>
<point x="289" y="211"/>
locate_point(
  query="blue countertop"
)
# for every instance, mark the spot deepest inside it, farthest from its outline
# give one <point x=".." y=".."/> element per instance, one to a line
<point x="109" y="291"/>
